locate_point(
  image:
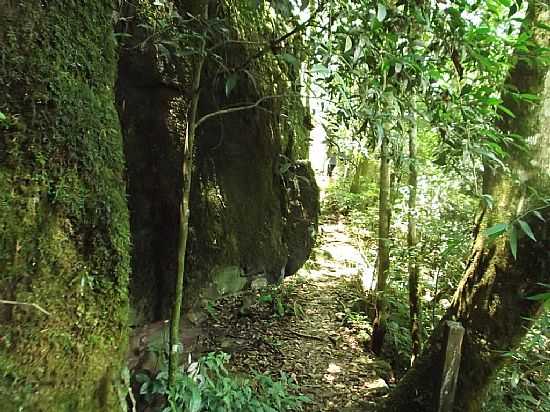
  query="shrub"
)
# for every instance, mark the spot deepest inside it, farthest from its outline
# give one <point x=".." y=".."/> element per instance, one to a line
<point x="206" y="385"/>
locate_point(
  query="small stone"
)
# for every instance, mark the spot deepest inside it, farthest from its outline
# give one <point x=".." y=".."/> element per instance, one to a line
<point x="259" y="282"/>
<point x="333" y="368"/>
<point x="378" y="387"/>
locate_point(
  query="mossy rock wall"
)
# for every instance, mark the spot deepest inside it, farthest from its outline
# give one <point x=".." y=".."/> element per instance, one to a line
<point x="64" y="226"/>
<point x="243" y="213"/>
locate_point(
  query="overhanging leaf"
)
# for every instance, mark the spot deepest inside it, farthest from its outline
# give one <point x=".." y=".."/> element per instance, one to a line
<point x="496" y="230"/>
<point x="514" y="241"/>
<point x="540" y="296"/>
<point x="539" y="216"/>
<point x="527" y="229"/>
<point x="506" y="110"/>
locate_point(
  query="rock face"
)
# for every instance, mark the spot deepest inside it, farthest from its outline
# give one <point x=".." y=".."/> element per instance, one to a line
<point x="253" y="207"/>
<point x="64" y="229"/>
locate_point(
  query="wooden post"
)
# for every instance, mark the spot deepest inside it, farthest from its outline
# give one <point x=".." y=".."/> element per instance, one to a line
<point x="454" y="332"/>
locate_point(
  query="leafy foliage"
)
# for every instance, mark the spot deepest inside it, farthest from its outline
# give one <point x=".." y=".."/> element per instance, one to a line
<point x="207" y="385"/>
<point x="524" y="383"/>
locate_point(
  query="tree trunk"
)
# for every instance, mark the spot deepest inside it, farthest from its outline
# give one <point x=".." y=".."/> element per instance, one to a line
<point x="491" y="300"/>
<point x="187" y="171"/>
<point x="379" y="324"/>
<point x="414" y="302"/>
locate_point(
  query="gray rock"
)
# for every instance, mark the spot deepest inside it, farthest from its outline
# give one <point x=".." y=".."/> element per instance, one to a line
<point x="378" y="387"/>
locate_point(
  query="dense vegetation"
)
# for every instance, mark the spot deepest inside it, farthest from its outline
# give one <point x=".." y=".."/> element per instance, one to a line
<point x="438" y="116"/>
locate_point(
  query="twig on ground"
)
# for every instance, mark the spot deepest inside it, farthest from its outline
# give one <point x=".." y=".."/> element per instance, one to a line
<point x="304" y="335"/>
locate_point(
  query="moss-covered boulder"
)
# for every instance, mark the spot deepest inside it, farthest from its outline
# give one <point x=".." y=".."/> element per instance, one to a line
<point x="252" y="206"/>
<point x="64" y="232"/>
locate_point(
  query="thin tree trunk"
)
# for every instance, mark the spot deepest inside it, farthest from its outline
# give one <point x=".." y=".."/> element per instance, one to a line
<point x="414" y="302"/>
<point x="359" y="172"/>
<point x="187" y="171"/>
<point x="492" y="300"/>
<point x="379" y="324"/>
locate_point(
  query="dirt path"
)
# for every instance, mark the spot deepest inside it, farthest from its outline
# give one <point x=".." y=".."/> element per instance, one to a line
<point x="308" y="328"/>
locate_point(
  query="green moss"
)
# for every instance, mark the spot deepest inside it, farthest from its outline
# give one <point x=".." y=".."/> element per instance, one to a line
<point x="64" y="236"/>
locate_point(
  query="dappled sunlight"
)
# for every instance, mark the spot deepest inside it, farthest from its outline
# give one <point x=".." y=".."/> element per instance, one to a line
<point x="340" y="256"/>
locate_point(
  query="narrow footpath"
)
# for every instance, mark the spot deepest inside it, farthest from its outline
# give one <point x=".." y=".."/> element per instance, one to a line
<point x="310" y="328"/>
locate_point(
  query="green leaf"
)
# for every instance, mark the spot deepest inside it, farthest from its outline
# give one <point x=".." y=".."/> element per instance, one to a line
<point x="496" y="230"/>
<point x="527" y="96"/>
<point x="266" y="298"/>
<point x="3" y="117"/>
<point x="381" y="12"/>
<point x="543" y="26"/>
<point x="195" y="404"/>
<point x="514" y="241"/>
<point x="507" y="111"/>
<point x="230" y="83"/>
<point x="280" y="308"/>
<point x="320" y="68"/>
<point x="349" y="44"/>
<point x="290" y="59"/>
<point x="539" y="216"/>
<point x="487" y="200"/>
<point x="527" y="229"/>
<point x="528" y="398"/>
<point x="540" y="296"/>
<point x="492" y="101"/>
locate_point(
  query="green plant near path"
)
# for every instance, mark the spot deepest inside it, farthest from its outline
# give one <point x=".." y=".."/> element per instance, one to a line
<point x="208" y="386"/>
<point x="524" y="383"/>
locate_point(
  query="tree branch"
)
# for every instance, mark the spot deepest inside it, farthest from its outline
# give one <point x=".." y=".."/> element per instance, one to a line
<point x="281" y="39"/>
<point x="233" y="109"/>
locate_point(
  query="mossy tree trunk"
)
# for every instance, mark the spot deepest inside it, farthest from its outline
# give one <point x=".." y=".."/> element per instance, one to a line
<point x="64" y="236"/>
<point x="492" y="301"/>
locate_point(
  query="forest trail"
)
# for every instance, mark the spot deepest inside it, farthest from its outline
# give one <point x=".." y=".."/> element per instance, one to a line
<point x="309" y="328"/>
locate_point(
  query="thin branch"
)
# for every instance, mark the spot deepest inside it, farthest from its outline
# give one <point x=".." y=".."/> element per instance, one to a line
<point x="281" y="39"/>
<point x="232" y="109"/>
<point x="34" y="305"/>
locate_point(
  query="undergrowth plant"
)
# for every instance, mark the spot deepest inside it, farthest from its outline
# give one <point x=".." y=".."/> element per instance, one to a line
<point x="523" y="384"/>
<point x="279" y="296"/>
<point x="206" y="385"/>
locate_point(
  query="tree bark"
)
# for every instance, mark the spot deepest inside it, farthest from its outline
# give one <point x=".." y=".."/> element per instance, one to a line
<point x="379" y="323"/>
<point x="492" y="300"/>
<point x="187" y="171"/>
<point x="414" y="302"/>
